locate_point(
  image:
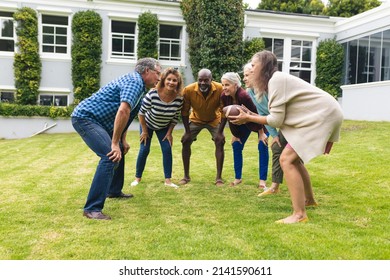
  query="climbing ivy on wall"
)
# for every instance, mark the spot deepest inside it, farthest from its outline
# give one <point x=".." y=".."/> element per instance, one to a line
<point x="27" y="63"/>
<point x="215" y="31"/>
<point x="330" y="61"/>
<point x="86" y="53"/>
<point x="147" y="35"/>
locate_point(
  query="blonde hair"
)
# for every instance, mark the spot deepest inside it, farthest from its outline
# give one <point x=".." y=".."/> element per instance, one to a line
<point x="258" y="95"/>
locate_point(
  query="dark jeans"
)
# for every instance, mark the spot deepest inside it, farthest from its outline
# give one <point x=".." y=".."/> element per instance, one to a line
<point x="144" y="151"/>
<point x="238" y="159"/>
<point x="109" y="176"/>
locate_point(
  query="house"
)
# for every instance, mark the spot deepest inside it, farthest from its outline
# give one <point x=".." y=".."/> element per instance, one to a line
<point x="292" y="37"/>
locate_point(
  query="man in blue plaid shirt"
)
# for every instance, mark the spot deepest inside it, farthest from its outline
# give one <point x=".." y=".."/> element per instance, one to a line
<point x="102" y="121"/>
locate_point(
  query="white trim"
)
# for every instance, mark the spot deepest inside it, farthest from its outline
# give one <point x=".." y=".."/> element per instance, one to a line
<point x="123" y="16"/>
<point x="7" y="54"/>
<point x="54" y="11"/>
<point x="266" y="32"/>
<point x="119" y="61"/>
<point x="6" y="88"/>
<point x="8" y="6"/>
<point x="366" y="85"/>
<point x="54" y="90"/>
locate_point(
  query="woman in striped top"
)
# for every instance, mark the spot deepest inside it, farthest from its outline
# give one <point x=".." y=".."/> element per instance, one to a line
<point x="159" y="113"/>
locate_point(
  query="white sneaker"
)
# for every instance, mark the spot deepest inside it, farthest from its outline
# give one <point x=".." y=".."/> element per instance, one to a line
<point x="134" y="183"/>
<point x="171" y="185"/>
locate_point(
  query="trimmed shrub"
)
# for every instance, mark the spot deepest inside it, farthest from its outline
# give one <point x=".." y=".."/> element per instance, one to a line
<point x="27" y="63"/>
<point x="147" y="35"/>
<point x="215" y="29"/>
<point x="86" y="54"/>
<point x="330" y="61"/>
<point x="53" y="112"/>
<point x="252" y="46"/>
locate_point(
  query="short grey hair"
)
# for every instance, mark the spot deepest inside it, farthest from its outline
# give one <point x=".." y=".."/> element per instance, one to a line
<point x="247" y="66"/>
<point x="146" y="63"/>
<point x="232" y="77"/>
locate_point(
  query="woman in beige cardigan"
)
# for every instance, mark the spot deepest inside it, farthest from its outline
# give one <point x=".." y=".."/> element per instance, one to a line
<point x="309" y="118"/>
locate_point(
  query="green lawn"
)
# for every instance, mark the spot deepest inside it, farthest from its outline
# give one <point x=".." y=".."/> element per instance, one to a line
<point x="44" y="182"/>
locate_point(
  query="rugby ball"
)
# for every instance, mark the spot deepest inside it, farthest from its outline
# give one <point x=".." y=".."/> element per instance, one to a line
<point x="232" y="110"/>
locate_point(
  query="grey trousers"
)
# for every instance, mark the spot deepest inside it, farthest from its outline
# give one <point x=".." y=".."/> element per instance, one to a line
<point x="277" y="172"/>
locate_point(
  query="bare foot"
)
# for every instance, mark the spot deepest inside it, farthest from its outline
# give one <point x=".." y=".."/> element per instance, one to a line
<point x="293" y="219"/>
<point x="235" y="182"/>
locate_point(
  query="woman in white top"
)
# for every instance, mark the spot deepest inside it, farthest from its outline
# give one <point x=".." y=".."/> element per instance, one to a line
<point x="309" y="118"/>
<point x="159" y="113"/>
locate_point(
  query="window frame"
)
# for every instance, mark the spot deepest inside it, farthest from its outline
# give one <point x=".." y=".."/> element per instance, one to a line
<point x="53" y="95"/>
<point x="13" y="92"/>
<point x="110" y="36"/>
<point x="300" y="68"/>
<point x="55" y="55"/>
<point x="272" y="49"/>
<point x="13" y="38"/>
<point x="171" y="41"/>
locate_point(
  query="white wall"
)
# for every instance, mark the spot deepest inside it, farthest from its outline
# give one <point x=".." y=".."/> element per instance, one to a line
<point x="23" y="127"/>
<point x="369" y="102"/>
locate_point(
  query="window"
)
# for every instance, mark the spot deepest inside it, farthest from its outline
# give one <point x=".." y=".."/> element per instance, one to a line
<point x="363" y="67"/>
<point x="7" y="96"/>
<point x="7" y="37"/>
<point x="385" y="56"/>
<point x="55" y="34"/>
<point x="122" y="39"/>
<point x="53" y="100"/>
<point x="300" y="65"/>
<point x="170" y="42"/>
<point x="368" y="58"/>
<point x="277" y="47"/>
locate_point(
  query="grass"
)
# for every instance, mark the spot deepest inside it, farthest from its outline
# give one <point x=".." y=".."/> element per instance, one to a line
<point x="44" y="181"/>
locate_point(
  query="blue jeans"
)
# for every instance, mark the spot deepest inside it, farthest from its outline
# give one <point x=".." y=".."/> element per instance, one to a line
<point x="109" y="176"/>
<point x="144" y="151"/>
<point x="238" y="159"/>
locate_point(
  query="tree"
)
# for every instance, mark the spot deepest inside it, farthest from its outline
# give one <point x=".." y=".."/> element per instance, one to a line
<point x="86" y="53"/>
<point x="314" y="7"/>
<point x="330" y="61"/>
<point x="147" y="35"/>
<point x="192" y="18"/>
<point x="27" y="63"/>
<point x="215" y="29"/>
<point x="252" y="46"/>
<point x="348" y="8"/>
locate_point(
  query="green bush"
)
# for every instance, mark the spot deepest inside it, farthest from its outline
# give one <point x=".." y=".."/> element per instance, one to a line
<point x="27" y="63"/>
<point x="53" y="112"/>
<point x="330" y="61"/>
<point x="191" y="16"/>
<point x="147" y="35"/>
<point x="252" y="46"/>
<point x="86" y="53"/>
<point x="215" y="31"/>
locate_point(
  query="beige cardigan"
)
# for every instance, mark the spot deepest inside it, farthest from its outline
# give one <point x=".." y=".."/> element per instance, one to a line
<point x="307" y="116"/>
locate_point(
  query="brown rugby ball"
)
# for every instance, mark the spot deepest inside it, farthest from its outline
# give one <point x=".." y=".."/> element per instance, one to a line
<point x="231" y="110"/>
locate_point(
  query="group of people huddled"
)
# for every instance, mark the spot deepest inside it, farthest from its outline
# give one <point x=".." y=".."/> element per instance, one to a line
<point x="302" y="120"/>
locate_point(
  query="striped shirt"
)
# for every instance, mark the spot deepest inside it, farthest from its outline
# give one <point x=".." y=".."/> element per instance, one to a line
<point x="159" y="114"/>
<point x="103" y="105"/>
